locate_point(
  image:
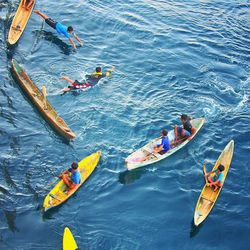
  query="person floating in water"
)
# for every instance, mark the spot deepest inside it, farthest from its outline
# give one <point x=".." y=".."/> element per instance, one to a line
<point x="71" y="177"/>
<point x="182" y="133"/>
<point x="61" y="29"/>
<point x="27" y="4"/>
<point x="90" y="79"/>
<point x="215" y="178"/>
<point x="164" y="146"/>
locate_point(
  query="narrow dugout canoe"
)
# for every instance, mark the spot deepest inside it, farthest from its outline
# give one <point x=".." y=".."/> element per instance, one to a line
<point x="69" y="242"/>
<point x="60" y="193"/>
<point x="41" y="103"/>
<point x="19" y="22"/>
<point x="208" y="196"/>
<point x="137" y="158"/>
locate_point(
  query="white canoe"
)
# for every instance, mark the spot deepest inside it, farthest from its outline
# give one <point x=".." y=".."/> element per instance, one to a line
<point x="137" y="158"/>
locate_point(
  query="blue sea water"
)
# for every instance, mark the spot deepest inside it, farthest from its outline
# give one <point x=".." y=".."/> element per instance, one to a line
<point x="171" y="57"/>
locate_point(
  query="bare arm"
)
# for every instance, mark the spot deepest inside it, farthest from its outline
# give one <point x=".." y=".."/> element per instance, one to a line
<point x="64" y="172"/>
<point x="78" y="39"/>
<point x="66" y="78"/>
<point x="110" y="70"/>
<point x="72" y="42"/>
<point x="158" y="149"/>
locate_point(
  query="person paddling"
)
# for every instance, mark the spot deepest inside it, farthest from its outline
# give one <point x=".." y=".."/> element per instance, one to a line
<point x="184" y="132"/>
<point x="60" y="28"/>
<point x="90" y="79"/>
<point x="215" y="178"/>
<point x="71" y="177"/>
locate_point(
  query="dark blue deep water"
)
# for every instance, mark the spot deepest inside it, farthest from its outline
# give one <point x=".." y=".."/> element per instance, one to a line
<point x="171" y="57"/>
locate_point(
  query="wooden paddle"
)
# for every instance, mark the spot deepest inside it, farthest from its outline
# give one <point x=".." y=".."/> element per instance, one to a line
<point x="54" y="197"/>
<point x="205" y="173"/>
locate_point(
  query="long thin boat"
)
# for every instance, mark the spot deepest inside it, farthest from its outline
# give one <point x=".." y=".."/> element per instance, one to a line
<point x="60" y="193"/>
<point x="41" y="102"/>
<point x="19" y="22"/>
<point x="69" y="242"/>
<point x="208" y="196"/>
<point x="145" y="156"/>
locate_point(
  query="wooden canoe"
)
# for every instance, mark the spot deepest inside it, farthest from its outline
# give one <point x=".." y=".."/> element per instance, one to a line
<point x="69" y="242"/>
<point x="60" y="193"/>
<point x="208" y="196"/>
<point x="19" y="22"/>
<point x="137" y="158"/>
<point x="41" y="103"/>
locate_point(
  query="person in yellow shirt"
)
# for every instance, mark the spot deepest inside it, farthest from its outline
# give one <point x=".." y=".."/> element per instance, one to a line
<point x="92" y="79"/>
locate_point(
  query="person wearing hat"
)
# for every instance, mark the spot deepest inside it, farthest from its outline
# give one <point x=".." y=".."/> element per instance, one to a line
<point x="92" y="79"/>
<point x="71" y="177"/>
<point x="215" y="178"/>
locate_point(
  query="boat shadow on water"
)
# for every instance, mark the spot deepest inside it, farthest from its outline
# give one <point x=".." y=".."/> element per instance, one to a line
<point x="51" y="37"/>
<point x="128" y="177"/>
<point x="194" y="229"/>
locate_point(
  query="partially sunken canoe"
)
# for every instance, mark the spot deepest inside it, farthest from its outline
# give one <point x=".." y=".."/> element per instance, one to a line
<point x="41" y="103"/>
<point x="144" y="156"/>
<point x="19" y="22"/>
<point x="69" y="242"/>
<point x="60" y="193"/>
<point x="208" y="196"/>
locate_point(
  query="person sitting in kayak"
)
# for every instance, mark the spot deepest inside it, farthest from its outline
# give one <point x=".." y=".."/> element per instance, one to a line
<point x="185" y="131"/>
<point x="61" y="29"/>
<point x="90" y="79"/>
<point x="215" y="178"/>
<point x="71" y="177"/>
<point x="27" y="4"/>
<point x="164" y="146"/>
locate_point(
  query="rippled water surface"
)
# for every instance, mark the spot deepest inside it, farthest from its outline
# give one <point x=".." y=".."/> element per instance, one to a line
<point x="171" y="57"/>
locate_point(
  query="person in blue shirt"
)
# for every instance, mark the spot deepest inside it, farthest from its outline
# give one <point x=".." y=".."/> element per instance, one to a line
<point x="164" y="146"/>
<point x="60" y="28"/>
<point x="92" y="79"/>
<point x="215" y="178"/>
<point x="71" y="177"/>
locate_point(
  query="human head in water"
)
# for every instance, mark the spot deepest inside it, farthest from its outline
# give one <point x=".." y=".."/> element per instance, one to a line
<point x="98" y="69"/>
<point x="70" y="29"/>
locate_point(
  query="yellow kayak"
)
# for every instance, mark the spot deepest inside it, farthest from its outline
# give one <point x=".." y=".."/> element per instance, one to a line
<point x="60" y="193"/>
<point x="208" y="196"/>
<point x="69" y="242"/>
<point x="19" y="22"/>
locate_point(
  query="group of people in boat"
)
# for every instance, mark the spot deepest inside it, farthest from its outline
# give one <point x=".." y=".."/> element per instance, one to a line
<point x="72" y="176"/>
<point x="214" y="178"/>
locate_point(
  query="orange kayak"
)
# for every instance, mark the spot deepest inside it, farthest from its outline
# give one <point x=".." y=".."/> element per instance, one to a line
<point x="19" y="22"/>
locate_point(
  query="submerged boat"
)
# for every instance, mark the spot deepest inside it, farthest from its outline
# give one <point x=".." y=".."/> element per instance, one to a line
<point x="145" y="156"/>
<point x="41" y="103"/>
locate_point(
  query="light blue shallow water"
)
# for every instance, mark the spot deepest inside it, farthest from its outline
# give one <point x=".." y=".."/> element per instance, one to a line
<point x="171" y="57"/>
